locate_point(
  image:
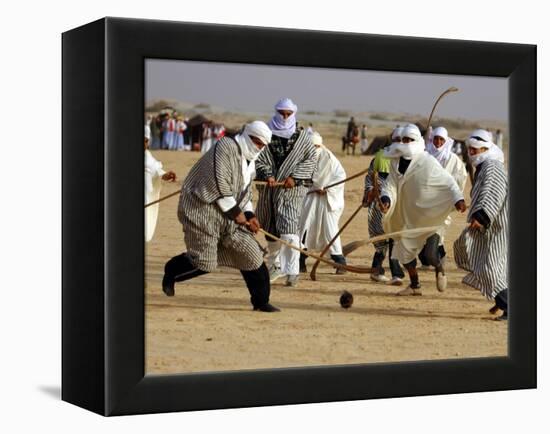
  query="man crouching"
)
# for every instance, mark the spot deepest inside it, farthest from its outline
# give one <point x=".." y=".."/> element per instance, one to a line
<point x="216" y="212"/>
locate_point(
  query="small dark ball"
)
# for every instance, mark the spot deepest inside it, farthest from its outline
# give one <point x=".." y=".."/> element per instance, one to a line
<point x="346" y="300"/>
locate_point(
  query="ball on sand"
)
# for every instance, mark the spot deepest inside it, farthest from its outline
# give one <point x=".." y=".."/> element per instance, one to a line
<point x="346" y="300"/>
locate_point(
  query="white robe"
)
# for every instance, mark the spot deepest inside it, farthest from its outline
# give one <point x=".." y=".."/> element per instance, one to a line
<point x="206" y="140"/>
<point x="153" y="176"/>
<point x="424" y="196"/>
<point x="457" y="170"/>
<point x="320" y="214"/>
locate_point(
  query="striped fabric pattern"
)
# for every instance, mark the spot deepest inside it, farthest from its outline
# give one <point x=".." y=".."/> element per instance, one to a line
<point x="211" y="238"/>
<point x="484" y="253"/>
<point x="279" y="209"/>
<point x="375" y="216"/>
<point x="218" y="173"/>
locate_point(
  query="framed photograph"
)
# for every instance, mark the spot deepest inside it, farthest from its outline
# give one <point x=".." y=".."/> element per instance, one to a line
<point x="206" y="312"/>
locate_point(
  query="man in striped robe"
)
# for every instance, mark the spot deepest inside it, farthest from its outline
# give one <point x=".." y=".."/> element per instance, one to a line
<point x="215" y="210"/>
<point x="289" y="158"/>
<point x="482" y="248"/>
<point x="418" y="193"/>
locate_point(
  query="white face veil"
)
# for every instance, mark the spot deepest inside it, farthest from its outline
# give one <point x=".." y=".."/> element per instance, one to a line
<point x="407" y="150"/>
<point x="390" y="151"/>
<point x="248" y="148"/>
<point x="317" y="141"/>
<point x="280" y="126"/>
<point x="484" y="139"/>
<point x="442" y="153"/>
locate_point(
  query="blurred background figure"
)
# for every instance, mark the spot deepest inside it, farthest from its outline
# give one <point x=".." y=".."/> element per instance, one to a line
<point x="364" y="141"/>
<point x="180" y="129"/>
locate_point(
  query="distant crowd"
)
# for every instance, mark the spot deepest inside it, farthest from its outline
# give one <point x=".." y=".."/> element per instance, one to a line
<point x="171" y="131"/>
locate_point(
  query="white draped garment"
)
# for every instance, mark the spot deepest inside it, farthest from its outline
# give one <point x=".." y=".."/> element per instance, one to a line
<point x="424" y="196"/>
<point x="457" y="170"/>
<point x="321" y="213"/>
<point x="153" y="178"/>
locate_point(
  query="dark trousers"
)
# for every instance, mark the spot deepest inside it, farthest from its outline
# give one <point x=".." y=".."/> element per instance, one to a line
<point x="501" y="300"/>
<point x="432" y="252"/>
<point x="413" y="273"/>
<point x="180" y="268"/>
<point x="378" y="259"/>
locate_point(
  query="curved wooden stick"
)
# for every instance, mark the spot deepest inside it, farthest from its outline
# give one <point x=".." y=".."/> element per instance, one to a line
<point x="451" y="89"/>
<point x="342" y="181"/>
<point x="354" y="245"/>
<point x="327" y="247"/>
<point x="163" y="198"/>
<point x="351" y="268"/>
<point x="277" y="184"/>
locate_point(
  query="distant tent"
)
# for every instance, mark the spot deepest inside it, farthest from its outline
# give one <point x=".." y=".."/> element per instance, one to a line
<point x="194" y="129"/>
<point x="232" y="131"/>
<point x="380" y="141"/>
<point x="167" y="110"/>
<point x="377" y="143"/>
<point x="197" y="120"/>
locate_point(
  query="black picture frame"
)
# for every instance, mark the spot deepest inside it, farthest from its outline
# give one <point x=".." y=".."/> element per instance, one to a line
<point x="103" y="250"/>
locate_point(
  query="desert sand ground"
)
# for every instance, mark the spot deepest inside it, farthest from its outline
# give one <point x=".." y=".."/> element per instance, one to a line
<point x="209" y="325"/>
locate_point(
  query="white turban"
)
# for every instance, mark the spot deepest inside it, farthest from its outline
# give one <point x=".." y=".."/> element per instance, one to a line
<point x="317" y="139"/>
<point x="260" y="130"/>
<point x="412" y="132"/>
<point x="483" y="139"/>
<point x="480" y="139"/>
<point x="390" y="150"/>
<point x="407" y="150"/>
<point x="396" y="132"/>
<point x="284" y="127"/>
<point x="442" y="153"/>
<point x="248" y="148"/>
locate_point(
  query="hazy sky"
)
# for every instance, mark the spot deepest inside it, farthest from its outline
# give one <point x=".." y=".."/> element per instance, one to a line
<point x="256" y="88"/>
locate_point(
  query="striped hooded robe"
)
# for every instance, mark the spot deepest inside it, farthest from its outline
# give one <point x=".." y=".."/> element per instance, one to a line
<point x="484" y="253"/>
<point x="279" y="209"/>
<point x="211" y="237"/>
<point x="375" y="216"/>
<point x="382" y="165"/>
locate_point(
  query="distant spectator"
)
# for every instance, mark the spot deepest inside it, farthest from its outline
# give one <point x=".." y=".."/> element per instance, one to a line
<point x="351" y="126"/>
<point x="168" y="132"/>
<point x="498" y="139"/>
<point x="206" y="138"/>
<point x="156" y="128"/>
<point x="219" y="132"/>
<point x="180" y="129"/>
<point x="364" y="140"/>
